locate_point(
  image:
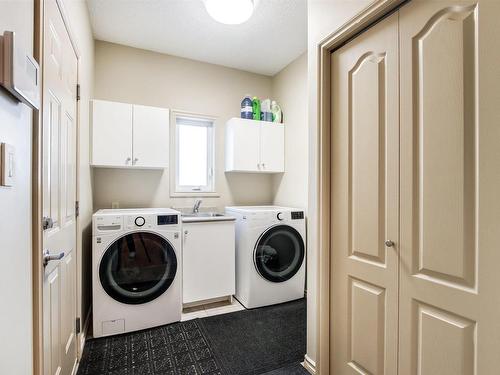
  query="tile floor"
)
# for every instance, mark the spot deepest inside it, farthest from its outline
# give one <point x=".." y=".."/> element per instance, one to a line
<point x="211" y="309"/>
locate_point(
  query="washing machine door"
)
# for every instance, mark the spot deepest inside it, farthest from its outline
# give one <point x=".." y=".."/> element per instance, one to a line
<point x="279" y="253"/>
<point x="138" y="267"/>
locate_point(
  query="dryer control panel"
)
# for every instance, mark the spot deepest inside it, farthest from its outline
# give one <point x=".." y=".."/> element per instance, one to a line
<point x="297" y="215"/>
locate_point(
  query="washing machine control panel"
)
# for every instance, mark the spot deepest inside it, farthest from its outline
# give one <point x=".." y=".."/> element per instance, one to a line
<point x="139" y="221"/>
<point x="107" y="224"/>
<point x="151" y="221"/>
<point x="280" y="216"/>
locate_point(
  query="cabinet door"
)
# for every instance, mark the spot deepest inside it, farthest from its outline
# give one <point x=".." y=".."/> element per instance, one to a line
<point x="272" y="147"/>
<point x="150" y="141"/>
<point x="208" y="260"/>
<point x="111" y="134"/>
<point x="243" y="146"/>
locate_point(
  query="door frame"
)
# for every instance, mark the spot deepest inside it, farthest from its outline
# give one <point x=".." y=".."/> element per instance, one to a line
<point x="37" y="187"/>
<point x="372" y="14"/>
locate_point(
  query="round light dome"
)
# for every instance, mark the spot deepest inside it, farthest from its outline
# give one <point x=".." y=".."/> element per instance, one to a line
<point x="230" y="12"/>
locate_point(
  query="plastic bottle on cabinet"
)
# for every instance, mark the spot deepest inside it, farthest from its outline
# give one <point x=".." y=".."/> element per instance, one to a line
<point x="247" y="107"/>
<point x="256" y="108"/>
<point x="265" y="107"/>
<point x="276" y="112"/>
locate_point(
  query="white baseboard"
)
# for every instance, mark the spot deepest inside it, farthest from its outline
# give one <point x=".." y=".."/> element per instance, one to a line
<point x="309" y="365"/>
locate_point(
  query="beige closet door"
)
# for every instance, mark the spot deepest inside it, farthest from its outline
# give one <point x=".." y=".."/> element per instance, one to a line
<point x="365" y="146"/>
<point x="450" y="186"/>
<point x="59" y="194"/>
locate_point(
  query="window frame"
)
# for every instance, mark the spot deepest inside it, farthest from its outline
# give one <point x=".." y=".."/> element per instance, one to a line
<point x="177" y="190"/>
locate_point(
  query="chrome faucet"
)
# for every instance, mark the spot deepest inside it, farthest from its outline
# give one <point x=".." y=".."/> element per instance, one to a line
<point x="196" y="207"/>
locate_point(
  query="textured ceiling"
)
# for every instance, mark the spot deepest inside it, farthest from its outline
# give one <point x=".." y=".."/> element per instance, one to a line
<point x="274" y="36"/>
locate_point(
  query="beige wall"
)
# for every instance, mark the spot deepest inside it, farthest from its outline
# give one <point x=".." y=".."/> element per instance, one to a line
<point x="324" y="17"/>
<point x="80" y="25"/>
<point x="136" y="76"/>
<point x="15" y="212"/>
<point x="289" y="88"/>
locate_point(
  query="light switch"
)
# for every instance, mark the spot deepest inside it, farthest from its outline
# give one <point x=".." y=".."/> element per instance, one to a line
<point x="7" y="168"/>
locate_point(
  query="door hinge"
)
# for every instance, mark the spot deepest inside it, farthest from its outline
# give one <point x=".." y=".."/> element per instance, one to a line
<point x="78" y="92"/>
<point x="47" y="223"/>
<point x="77" y="208"/>
<point x="77" y="326"/>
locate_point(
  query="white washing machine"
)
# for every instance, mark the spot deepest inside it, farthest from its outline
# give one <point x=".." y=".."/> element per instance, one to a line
<point x="136" y="269"/>
<point x="270" y="254"/>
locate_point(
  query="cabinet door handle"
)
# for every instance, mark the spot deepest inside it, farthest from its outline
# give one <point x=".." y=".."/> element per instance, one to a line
<point x="135" y="161"/>
<point x="127" y="160"/>
<point x="263" y="165"/>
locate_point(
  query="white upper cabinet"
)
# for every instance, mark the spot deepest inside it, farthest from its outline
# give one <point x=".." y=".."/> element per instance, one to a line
<point x="127" y="135"/>
<point x="150" y="140"/>
<point x="111" y="133"/>
<point x="272" y="147"/>
<point x="255" y="146"/>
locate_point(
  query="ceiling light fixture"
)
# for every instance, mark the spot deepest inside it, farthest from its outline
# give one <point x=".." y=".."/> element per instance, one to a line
<point x="230" y="12"/>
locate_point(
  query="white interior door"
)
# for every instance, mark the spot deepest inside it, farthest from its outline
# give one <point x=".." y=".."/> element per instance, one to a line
<point x="59" y="194"/>
<point x="150" y="136"/>
<point x="365" y="181"/>
<point x="450" y="180"/>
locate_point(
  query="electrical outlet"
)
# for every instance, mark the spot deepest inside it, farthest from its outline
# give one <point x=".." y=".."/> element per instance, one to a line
<point x="115" y="205"/>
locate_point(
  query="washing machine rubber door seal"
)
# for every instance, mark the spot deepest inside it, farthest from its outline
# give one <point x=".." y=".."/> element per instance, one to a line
<point x="279" y="253"/>
<point x="138" y="267"/>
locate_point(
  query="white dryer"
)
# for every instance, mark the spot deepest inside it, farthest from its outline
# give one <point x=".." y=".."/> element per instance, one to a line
<point x="136" y="267"/>
<point x="270" y="254"/>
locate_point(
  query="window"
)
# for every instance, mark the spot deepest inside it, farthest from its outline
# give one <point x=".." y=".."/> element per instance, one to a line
<point x="194" y="154"/>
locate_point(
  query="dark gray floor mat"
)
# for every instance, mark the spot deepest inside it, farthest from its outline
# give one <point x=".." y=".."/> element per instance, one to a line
<point x="174" y="349"/>
<point x="259" y="340"/>
<point x="270" y="340"/>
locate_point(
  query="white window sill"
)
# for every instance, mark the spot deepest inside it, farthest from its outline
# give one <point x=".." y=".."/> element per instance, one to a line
<point x="206" y="194"/>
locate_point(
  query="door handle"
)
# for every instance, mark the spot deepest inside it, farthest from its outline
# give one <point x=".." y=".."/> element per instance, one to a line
<point x="389" y="243"/>
<point x="47" y="257"/>
<point x="127" y="160"/>
<point x="135" y="161"/>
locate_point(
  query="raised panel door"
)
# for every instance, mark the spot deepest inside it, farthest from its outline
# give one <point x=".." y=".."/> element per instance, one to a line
<point x="364" y="196"/>
<point x="449" y="299"/>
<point x="59" y="194"/>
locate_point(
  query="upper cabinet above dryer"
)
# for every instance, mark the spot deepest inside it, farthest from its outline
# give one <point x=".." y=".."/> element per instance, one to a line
<point x="255" y="146"/>
<point x="129" y="135"/>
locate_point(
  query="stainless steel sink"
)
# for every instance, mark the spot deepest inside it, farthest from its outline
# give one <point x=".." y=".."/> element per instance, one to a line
<point x="203" y="214"/>
<point x="205" y="217"/>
